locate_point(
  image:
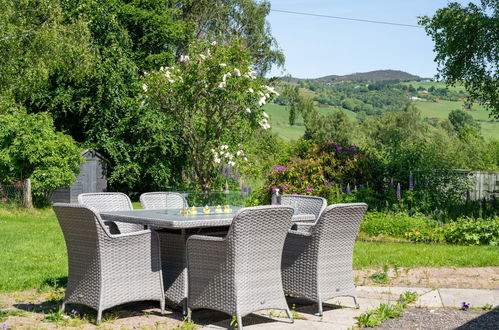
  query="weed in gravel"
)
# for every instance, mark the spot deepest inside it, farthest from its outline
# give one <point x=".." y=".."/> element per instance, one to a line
<point x="4" y="314"/>
<point x="376" y="316"/>
<point x="188" y="325"/>
<point x="380" y="277"/>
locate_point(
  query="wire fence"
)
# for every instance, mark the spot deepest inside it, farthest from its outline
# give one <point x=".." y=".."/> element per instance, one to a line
<point x="11" y="193"/>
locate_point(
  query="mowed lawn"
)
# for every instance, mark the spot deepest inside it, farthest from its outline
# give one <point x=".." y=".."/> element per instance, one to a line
<point x="33" y="252"/>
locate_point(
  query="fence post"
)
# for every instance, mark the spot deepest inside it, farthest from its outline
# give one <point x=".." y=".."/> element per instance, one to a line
<point x="27" y="200"/>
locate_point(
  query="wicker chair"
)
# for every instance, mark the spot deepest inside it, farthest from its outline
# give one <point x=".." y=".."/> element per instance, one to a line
<point x="111" y="201"/>
<point x="162" y="200"/>
<point x="305" y="204"/>
<point x="240" y="274"/>
<point x="106" y="270"/>
<point x="317" y="263"/>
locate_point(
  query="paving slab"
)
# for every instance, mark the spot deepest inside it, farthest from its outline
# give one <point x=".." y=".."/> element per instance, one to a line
<point x="475" y="297"/>
<point x="429" y="299"/>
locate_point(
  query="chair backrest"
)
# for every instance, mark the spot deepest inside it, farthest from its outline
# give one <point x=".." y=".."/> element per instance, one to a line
<point x="256" y="239"/>
<point x="335" y="231"/>
<point x="83" y="232"/>
<point x="162" y="200"/>
<point x="106" y="201"/>
<point x="305" y="204"/>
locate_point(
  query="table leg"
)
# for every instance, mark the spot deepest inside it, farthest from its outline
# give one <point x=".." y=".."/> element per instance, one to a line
<point x="174" y="266"/>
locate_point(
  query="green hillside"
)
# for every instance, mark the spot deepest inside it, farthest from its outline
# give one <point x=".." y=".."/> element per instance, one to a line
<point x="440" y="110"/>
<point x="436" y="101"/>
<point x="279" y="118"/>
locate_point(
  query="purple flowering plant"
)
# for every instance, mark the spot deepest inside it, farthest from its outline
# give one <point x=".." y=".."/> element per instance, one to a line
<point x="318" y="169"/>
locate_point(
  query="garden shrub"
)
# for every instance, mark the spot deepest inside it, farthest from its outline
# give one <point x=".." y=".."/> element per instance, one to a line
<point x="393" y="225"/>
<point x="469" y="231"/>
<point x="318" y="169"/>
<point x="464" y="231"/>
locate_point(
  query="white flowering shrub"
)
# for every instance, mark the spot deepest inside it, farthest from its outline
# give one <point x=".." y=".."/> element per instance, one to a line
<point x="216" y="99"/>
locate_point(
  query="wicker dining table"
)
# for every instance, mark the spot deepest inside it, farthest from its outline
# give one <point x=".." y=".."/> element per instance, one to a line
<point x="173" y="230"/>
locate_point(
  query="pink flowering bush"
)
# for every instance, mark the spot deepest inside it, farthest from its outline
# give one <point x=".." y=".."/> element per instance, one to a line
<point x="318" y="169"/>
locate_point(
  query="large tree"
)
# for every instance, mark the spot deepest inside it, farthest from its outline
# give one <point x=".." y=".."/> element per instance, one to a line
<point x="467" y="46"/>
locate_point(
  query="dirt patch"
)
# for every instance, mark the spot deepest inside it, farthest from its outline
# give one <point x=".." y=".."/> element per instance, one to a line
<point x="431" y="277"/>
<point x="33" y="309"/>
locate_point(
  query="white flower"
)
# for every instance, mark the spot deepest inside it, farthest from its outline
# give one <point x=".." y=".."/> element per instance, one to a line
<point x="264" y="124"/>
<point x="214" y="43"/>
<point x="245" y="159"/>
<point x="184" y="58"/>
<point x="224" y="147"/>
<point x="216" y="160"/>
<point x="225" y="76"/>
<point x="267" y="95"/>
<point x="246" y="76"/>
<point x="223" y="65"/>
<point x="261" y="93"/>
<point x="248" y="110"/>
<point x="240" y="152"/>
<point x="261" y="101"/>
<point x="231" y="163"/>
<point x="161" y="68"/>
<point x="144" y="87"/>
<point x="265" y="115"/>
<point x="202" y="56"/>
<point x="167" y="74"/>
<point x="222" y="153"/>
<point x="171" y="81"/>
<point x="250" y="90"/>
<point x="222" y="84"/>
<point x="229" y="155"/>
<point x="237" y="72"/>
<point x="213" y="150"/>
<point x="271" y="89"/>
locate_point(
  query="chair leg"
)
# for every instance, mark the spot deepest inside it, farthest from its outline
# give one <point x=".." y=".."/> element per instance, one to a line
<point x="162" y="305"/>
<point x="62" y="307"/>
<point x="290" y="316"/>
<point x="356" y="303"/>
<point x="239" y="322"/>
<point x="99" y="316"/>
<point x="321" y="312"/>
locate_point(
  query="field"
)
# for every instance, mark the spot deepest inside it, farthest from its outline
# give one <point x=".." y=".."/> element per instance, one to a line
<point x="279" y="117"/>
<point x="33" y="252"/>
<point x="435" y="110"/>
<point x="441" y="109"/>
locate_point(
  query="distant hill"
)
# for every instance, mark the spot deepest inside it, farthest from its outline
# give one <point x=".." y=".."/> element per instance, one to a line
<point x="377" y="75"/>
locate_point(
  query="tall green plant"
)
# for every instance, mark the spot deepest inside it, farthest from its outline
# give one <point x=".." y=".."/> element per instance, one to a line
<point x="216" y="101"/>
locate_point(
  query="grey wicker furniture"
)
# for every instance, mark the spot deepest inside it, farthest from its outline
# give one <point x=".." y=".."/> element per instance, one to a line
<point x="162" y="200"/>
<point x="106" y="270"/>
<point x="240" y="273"/>
<point x="317" y="263"/>
<point x="173" y="230"/>
<point x="111" y="201"/>
<point x="305" y="204"/>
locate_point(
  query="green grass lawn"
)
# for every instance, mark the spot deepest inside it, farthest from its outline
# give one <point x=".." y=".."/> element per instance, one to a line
<point x="33" y="252"/>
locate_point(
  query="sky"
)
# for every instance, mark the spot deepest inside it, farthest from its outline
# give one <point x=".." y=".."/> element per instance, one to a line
<point x="317" y="46"/>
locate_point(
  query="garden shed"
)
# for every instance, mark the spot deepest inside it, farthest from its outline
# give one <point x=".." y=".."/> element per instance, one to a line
<point x="92" y="178"/>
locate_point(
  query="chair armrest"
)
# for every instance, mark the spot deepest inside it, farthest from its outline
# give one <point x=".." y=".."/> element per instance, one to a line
<point x="306" y="227"/>
<point x="293" y="233"/>
<point x="131" y="234"/>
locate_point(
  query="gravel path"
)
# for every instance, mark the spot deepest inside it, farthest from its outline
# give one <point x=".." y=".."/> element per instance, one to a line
<point x="426" y="319"/>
